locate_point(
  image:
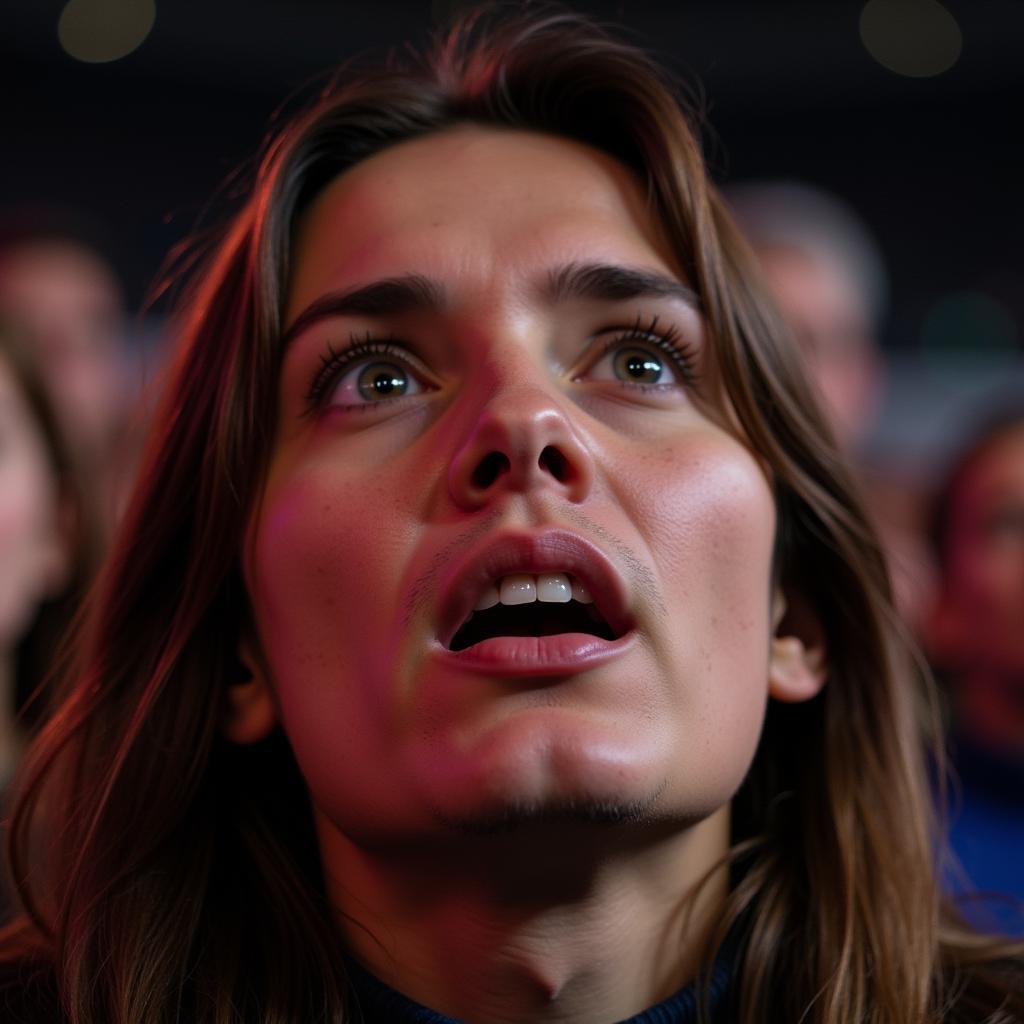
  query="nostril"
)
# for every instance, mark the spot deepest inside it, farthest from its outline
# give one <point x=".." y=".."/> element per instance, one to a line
<point x="491" y="467"/>
<point x="552" y="460"/>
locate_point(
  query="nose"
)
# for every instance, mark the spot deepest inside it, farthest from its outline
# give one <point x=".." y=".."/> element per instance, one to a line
<point x="522" y="441"/>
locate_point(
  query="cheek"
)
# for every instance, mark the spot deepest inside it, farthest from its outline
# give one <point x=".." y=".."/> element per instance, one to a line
<point x="707" y="515"/>
<point x="988" y="584"/>
<point x="327" y="559"/>
<point x="989" y="579"/>
<point x="708" y="520"/>
<point x="318" y="556"/>
<point x="28" y="494"/>
<point x="319" y="573"/>
<point x="19" y="516"/>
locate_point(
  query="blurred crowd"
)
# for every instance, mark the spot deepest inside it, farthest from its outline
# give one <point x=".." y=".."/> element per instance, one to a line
<point x="66" y="401"/>
<point x="69" y="400"/>
<point x="956" y="547"/>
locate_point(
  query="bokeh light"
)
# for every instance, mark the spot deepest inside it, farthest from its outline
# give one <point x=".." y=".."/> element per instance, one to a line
<point x="99" y="31"/>
<point x="915" y="38"/>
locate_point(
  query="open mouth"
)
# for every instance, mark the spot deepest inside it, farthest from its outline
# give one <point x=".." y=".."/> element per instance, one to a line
<point x="526" y="606"/>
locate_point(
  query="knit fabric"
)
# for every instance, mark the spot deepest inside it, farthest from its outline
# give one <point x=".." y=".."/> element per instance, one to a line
<point x="380" y="1004"/>
<point x="987" y="836"/>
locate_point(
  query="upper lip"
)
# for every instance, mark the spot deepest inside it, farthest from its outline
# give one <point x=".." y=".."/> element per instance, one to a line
<point x="550" y="550"/>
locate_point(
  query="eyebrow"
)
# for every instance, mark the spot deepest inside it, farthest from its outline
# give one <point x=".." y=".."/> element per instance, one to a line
<point x="392" y="296"/>
<point x="411" y="293"/>
<point x="615" y="283"/>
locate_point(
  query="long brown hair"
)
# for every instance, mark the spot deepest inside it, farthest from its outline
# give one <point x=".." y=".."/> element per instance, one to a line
<point x="180" y="879"/>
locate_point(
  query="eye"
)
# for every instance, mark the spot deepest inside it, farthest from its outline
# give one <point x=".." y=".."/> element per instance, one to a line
<point x="372" y="382"/>
<point x="367" y="373"/>
<point x="633" y="365"/>
<point x="642" y="356"/>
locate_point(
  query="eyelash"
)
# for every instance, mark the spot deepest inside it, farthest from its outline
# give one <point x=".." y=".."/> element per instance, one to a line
<point x="335" y="361"/>
<point x="670" y="341"/>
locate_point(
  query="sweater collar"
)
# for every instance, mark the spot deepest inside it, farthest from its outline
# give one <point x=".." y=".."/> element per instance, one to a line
<point x="378" y="1003"/>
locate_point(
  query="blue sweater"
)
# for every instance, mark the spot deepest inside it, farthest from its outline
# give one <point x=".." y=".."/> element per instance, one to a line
<point x="380" y="1004"/>
<point x="987" y="835"/>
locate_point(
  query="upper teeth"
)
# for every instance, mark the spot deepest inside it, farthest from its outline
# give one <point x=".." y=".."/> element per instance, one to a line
<point x="522" y="588"/>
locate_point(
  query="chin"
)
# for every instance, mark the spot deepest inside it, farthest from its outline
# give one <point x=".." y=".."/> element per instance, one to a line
<point x="559" y="772"/>
<point x="511" y="817"/>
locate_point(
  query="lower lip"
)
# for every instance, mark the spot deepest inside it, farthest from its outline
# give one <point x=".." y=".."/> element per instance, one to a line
<point x="560" y="654"/>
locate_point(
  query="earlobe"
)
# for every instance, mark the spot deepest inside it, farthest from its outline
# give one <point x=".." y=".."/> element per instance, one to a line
<point x="796" y="672"/>
<point x="798" y="667"/>
<point x="249" y="713"/>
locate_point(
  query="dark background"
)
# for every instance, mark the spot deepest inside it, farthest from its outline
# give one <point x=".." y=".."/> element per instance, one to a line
<point x="788" y="89"/>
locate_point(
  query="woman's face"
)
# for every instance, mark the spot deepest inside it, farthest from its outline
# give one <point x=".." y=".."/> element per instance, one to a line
<point x="497" y="385"/>
<point x="70" y="300"/>
<point x="983" y="599"/>
<point x="29" y="549"/>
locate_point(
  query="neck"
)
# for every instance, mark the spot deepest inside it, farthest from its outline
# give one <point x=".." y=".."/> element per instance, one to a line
<point x="562" y="923"/>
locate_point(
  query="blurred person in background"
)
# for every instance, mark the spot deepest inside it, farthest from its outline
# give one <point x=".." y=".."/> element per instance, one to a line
<point x="43" y="539"/>
<point x="55" y="280"/>
<point x="975" y="639"/>
<point x="826" y="273"/>
<point x="827" y="276"/>
<point x="48" y="543"/>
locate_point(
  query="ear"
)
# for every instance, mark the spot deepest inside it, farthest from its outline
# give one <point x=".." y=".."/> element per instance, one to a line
<point x="249" y="712"/>
<point x="798" y="666"/>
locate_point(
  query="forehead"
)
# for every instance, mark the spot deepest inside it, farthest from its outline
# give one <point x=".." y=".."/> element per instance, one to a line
<point x="477" y="206"/>
<point x="812" y="285"/>
<point x="56" y="265"/>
